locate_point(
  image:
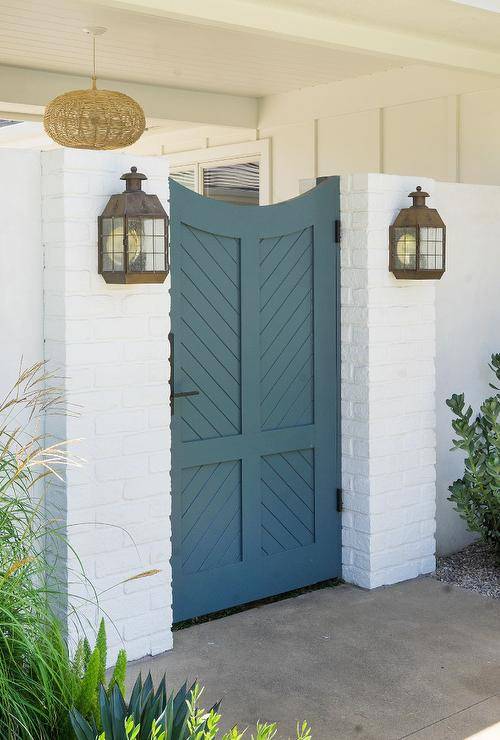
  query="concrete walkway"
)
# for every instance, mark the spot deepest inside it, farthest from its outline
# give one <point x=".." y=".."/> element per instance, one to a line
<point x="420" y="659"/>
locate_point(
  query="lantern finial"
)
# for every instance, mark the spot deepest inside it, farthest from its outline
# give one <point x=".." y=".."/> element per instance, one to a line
<point x="133" y="180"/>
<point x="419" y="197"/>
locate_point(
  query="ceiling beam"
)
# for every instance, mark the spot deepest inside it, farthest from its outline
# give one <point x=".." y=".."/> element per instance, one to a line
<point x="21" y="87"/>
<point x="306" y="27"/>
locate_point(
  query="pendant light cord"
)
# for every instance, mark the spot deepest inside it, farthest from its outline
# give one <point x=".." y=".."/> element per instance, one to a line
<point x="93" y="64"/>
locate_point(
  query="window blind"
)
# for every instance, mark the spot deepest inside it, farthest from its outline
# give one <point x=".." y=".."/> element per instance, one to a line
<point x="184" y="177"/>
<point x="236" y="183"/>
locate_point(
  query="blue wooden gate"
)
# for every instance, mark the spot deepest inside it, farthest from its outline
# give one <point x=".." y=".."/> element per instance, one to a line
<point x="255" y="458"/>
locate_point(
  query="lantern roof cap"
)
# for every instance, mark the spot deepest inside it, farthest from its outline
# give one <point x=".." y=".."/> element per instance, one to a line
<point x="419" y="197"/>
<point x="133" y="179"/>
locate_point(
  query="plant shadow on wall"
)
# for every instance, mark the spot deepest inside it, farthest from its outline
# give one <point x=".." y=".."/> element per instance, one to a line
<point x="45" y="694"/>
<point x="477" y="494"/>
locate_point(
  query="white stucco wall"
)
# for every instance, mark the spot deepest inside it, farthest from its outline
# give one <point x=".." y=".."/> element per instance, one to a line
<point x="21" y="261"/>
<point x="111" y="344"/>
<point x="468" y="326"/>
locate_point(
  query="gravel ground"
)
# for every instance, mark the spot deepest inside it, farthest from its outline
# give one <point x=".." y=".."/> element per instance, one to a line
<point x="473" y="568"/>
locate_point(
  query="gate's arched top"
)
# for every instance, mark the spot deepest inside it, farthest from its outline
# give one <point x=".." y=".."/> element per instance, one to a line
<point x="204" y="212"/>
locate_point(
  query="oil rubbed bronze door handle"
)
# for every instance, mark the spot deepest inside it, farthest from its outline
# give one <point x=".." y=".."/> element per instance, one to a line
<point x="173" y="395"/>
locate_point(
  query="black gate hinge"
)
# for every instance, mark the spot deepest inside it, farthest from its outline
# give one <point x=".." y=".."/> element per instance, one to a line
<point x="337" y="231"/>
<point x="340" y="500"/>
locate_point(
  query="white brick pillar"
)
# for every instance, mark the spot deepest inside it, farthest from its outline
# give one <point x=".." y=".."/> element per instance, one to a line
<point x="110" y="341"/>
<point x="388" y="380"/>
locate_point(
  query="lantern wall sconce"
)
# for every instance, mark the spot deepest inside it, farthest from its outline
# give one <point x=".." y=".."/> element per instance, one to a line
<point x="417" y="241"/>
<point x="133" y="235"/>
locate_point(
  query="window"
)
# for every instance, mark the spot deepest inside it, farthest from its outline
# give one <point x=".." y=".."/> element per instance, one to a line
<point x="225" y="173"/>
<point x="235" y="183"/>
<point x="185" y="177"/>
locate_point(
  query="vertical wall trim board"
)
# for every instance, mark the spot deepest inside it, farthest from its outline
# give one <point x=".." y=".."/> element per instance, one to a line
<point x="315" y="148"/>
<point x="452" y="138"/>
<point x="381" y="139"/>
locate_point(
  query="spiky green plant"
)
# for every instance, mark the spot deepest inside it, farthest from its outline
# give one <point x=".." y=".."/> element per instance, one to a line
<point x="89" y="669"/>
<point x="194" y="723"/>
<point x="119" y="673"/>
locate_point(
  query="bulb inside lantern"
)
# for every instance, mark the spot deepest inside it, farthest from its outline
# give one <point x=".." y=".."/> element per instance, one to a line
<point x="406" y="249"/>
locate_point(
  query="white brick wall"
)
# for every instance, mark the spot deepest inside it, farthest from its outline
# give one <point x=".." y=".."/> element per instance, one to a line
<point x="111" y="342"/>
<point x="388" y="380"/>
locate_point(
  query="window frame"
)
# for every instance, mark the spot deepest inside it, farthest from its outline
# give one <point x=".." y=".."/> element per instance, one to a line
<point x="218" y="156"/>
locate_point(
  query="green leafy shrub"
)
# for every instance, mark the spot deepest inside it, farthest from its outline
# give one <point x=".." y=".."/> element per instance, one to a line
<point x="180" y="719"/>
<point x="477" y="494"/>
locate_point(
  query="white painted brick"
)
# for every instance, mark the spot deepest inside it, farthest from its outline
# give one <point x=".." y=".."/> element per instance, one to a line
<point x="111" y="343"/>
<point x="122" y="421"/>
<point x="150" y="441"/>
<point x="144" y="351"/>
<point x="118" y="468"/>
<point x="119" y="328"/>
<point x="159" y="463"/>
<point x="92" y="353"/>
<point x="147" y="486"/>
<point x="159" y="416"/>
<point x="388" y="380"/>
<point x="121" y="376"/>
<point x="158" y="372"/>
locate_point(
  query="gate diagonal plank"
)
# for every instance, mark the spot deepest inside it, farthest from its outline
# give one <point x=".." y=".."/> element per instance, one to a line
<point x="288" y="512"/>
<point x="255" y="452"/>
<point x="205" y="407"/>
<point x="211" y="348"/>
<point x="286" y="332"/>
<point x="198" y="282"/>
<point x="212" y="520"/>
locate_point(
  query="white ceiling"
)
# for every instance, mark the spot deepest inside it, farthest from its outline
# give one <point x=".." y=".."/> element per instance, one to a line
<point x="467" y="22"/>
<point x="143" y="48"/>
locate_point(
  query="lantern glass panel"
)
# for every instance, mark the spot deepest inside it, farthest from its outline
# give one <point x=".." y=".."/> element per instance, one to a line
<point x="159" y="226"/>
<point x="159" y="261"/>
<point x="112" y="247"/>
<point x="134" y="242"/>
<point x="107" y="226"/>
<point x="405" y="248"/>
<point x="431" y="248"/>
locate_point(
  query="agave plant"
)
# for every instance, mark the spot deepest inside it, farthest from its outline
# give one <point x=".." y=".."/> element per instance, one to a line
<point x="181" y="718"/>
<point x="144" y="707"/>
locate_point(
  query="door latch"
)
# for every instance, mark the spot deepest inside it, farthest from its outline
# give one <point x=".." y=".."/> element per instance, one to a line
<point x="171" y="380"/>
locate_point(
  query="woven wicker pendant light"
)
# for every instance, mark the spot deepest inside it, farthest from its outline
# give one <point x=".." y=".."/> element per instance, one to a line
<point x="94" y="119"/>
